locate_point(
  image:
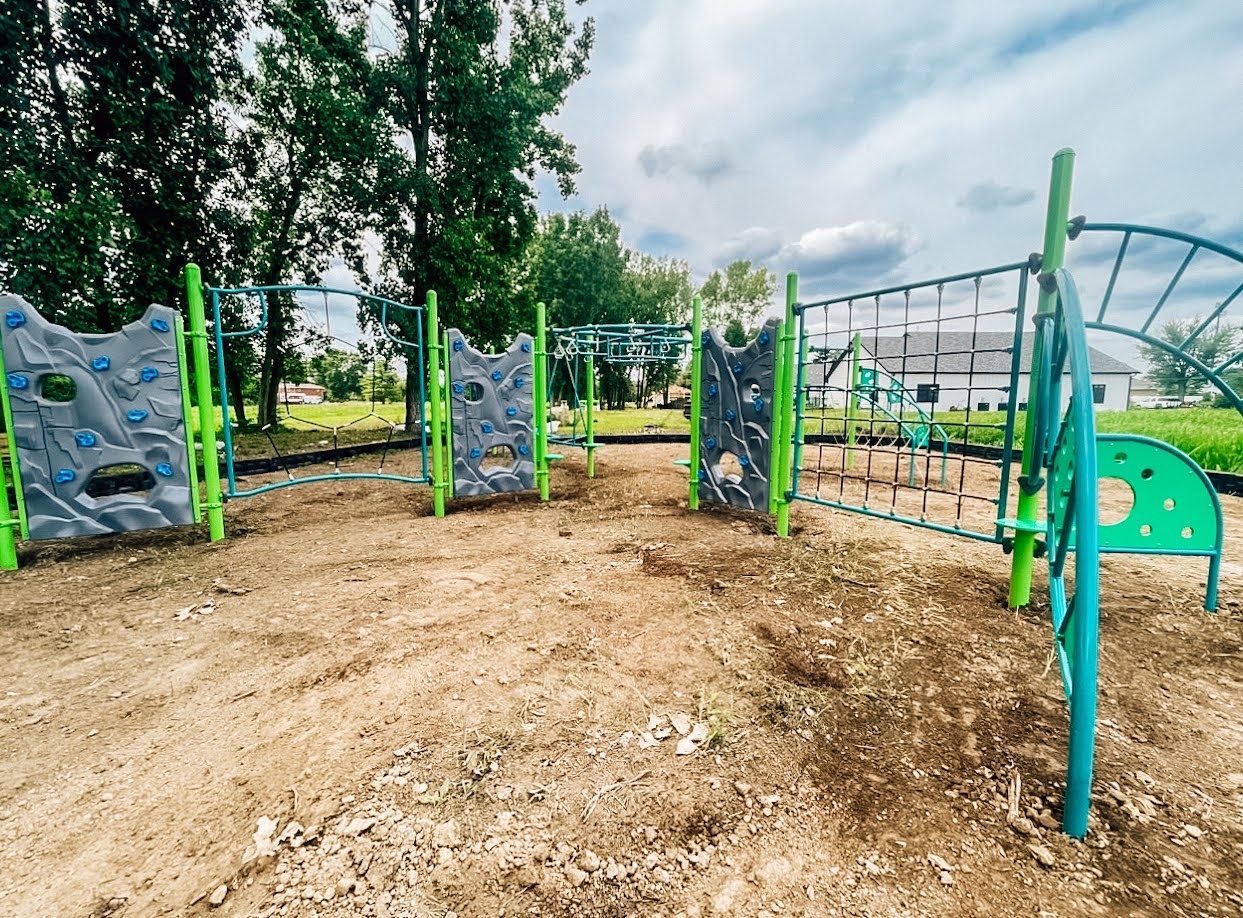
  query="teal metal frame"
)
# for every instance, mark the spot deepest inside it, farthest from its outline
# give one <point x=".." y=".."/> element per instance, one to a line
<point x="415" y="350"/>
<point x="1020" y="270"/>
<point x="1195" y="245"/>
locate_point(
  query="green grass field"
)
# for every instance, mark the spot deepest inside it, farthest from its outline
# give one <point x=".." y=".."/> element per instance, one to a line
<point x="1213" y="437"/>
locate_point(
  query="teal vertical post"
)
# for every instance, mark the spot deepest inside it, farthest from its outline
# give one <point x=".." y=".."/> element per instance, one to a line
<point x="440" y="478"/>
<point x="540" y="406"/>
<point x="589" y="429"/>
<point x="206" y="411"/>
<point x="1054" y="254"/>
<point x="697" y="347"/>
<point x="785" y="394"/>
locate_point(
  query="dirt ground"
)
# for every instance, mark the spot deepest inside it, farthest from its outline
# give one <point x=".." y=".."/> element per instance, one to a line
<point x="351" y="708"/>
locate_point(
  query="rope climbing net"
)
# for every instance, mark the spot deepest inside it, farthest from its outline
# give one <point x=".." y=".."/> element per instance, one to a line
<point x="347" y="335"/>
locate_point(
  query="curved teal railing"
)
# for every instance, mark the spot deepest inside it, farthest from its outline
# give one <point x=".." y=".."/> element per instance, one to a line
<point x="1069" y="458"/>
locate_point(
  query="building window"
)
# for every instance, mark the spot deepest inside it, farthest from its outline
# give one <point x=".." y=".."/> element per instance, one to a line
<point x="981" y="406"/>
<point x="1098" y="395"/>
<point x="927" y="393"/>
<point x="1022" y="406"/>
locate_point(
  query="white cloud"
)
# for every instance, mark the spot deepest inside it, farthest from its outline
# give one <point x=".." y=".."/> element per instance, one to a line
<point x="865" y="245"/>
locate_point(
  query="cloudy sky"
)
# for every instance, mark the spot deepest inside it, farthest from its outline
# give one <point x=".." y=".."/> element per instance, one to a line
<point x="864" y="143"/>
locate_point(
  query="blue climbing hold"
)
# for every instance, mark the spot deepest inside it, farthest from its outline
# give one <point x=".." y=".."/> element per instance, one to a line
<point x="164" y="470"/>
<point x="14" y="319"/>
<point x="712" y="390"/>
<point x="730" y="415"/>
<point x="523" y="449"/>
<point x="744" y="461"/>
<point x="18" y="381"/>
<point x="65" y="475"/>
<point x="497" y="375"/>
<point x="759" y="404"/>
<point x="458" y="344"/>
<point x="738" y="368"/>
<point x="459" y="388"/>
<point x="702" y="475"/>
<point x="149" y="373"/>
<point x="764" y="339"/>
<point x="136" y="415"/>
<point x="159" y="325"/>
<point x="84" y="438"/>
<point x="476" y="452"/>
<point x="710" y="443"/>
<point x="526" y="347"/>
<point x="487" y="427"/>
<point x="101" y="363"/>
<point x="511" y="412"/>
<point x="519" y="382"/>
<point x="705" y="338"/>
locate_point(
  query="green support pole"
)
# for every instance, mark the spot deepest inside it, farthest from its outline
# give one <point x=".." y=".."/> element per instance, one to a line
<point x="188" y="419"/>
<point x="540" y="382"/>
<point x="852" y="400"/>
<point x="206" y="410"/>
<point x="452" y="492"/>
<point x="440" y="478"/>
<point x="1054" y="254"/>
<point x="590" y="428"/>
<point x="697" y="347"/>
<point x="786" y="401"/>
<point x="8" y="541"/>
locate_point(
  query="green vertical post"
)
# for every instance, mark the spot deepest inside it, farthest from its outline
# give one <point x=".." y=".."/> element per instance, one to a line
<point x="440" y="478"/>
<point x="852" y="400"/>
<point x="1053" y="256"/>
<point x="215" y="504"/>
<point x="540" y="401"/>
<point x="206" y="410"/>
<point x="188" y="419"/>
<point x="14" y="462"/>
<point x="448" y="417"/>
<point x="697" y="348"/>
<point x="785" y="395"/>
<point x="589" y="430"/>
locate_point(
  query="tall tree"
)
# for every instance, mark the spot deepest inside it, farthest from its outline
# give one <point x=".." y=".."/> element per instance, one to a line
<point x="310" y="157"/>
<point x="119" y="148"/>
<point x="471" y="85"/>
<point x="737" y="294"/>
<point x="1175" y="375"/>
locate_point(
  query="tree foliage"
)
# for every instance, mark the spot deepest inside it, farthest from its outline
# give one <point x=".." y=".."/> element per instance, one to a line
<point x="116" y="148"/>
<point x="1176" y="375"/>
<point x="738" y="294"/>
<point x="471" y="84"/>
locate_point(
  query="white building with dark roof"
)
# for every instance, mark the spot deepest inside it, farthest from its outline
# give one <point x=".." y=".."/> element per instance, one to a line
<point x="951" y="371"/>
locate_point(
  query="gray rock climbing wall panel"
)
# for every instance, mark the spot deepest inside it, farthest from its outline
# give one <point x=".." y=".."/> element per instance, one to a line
<point x="492" y="408"/>
<point x="85" y="403"/>
<point x="736" y="419"/>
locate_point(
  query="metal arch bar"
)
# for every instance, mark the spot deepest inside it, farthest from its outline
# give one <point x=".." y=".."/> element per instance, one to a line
<point x="1136" y="228"/>
<point x="1178" y="275"/>
<point x="901" y="288"/>
<point x="1210" y="373"/>
<point x="1113" y="277"/>
<point x="1221" y="307"/>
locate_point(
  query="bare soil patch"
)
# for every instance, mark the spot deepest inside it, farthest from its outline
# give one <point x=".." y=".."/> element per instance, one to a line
<point x="482" y="715"/>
